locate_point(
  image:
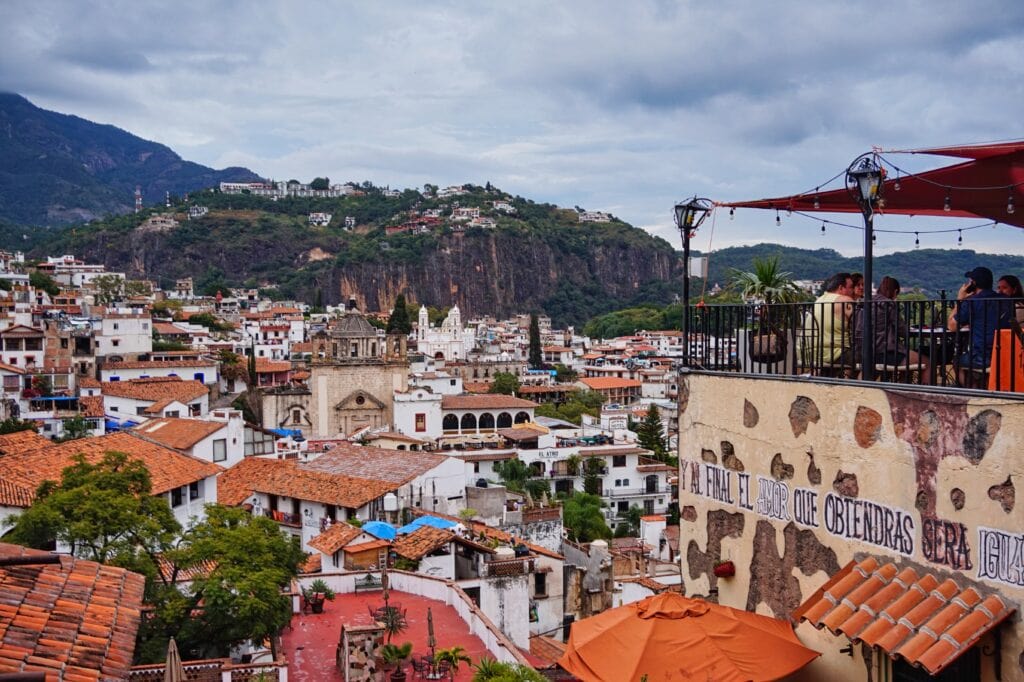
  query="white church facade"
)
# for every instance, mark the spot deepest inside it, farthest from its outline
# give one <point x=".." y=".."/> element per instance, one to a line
<point x="451" y="341"/>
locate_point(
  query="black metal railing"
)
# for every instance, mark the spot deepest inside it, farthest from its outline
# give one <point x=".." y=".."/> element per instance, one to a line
<point x="976" y="343"/>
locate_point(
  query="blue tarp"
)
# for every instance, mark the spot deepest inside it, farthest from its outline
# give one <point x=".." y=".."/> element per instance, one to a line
<point x="285" y="433"/>
<point x="380" y="530"/>
<point x="434" y="521"/>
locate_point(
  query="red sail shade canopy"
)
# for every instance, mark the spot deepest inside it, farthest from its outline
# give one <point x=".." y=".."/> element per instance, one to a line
<point x="987" y="186"/>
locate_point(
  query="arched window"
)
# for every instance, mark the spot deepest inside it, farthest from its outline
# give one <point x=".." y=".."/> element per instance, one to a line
<point x="469" y="422"/>
<point x="450" y="423"/>
<point x="522" y="417"/>
<point x="400" y="447"/>
<point x="486" y="421"/>
<point x="504" y="420"/>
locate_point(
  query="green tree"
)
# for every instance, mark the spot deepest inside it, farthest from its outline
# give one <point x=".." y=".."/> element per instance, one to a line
<point x="241" y="595"/>
<point x="593" y="469"/>
<point x="75" y="428"/>
<point x="504" y="382"/>
<point x="489" y="670"/>
<point x="536" y="358"/>
<point x="109" y="289"/>
<point x="766" y="283"/>
<point x="210" y="321"/>
<point x="320" y="184"/>
<point x="40" y="280"/>
<point x="13" y="425"/>
<point x="398" y="322"/>
<point x="104" y="512"/>
<point x="564" y="375"/>
<point x="650" y="433"/>
<point x="513" y="474"/>
<point x="583" y="518"/>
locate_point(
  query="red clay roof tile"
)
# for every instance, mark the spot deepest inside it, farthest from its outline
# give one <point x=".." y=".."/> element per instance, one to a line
<point x="921" y="620"/>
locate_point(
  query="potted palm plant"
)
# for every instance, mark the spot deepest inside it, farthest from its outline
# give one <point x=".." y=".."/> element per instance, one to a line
<point x="767" y="285"/>
<point x="453" y="655"/>
<point x="315" y="595"/>
<point x="394" y="657"/>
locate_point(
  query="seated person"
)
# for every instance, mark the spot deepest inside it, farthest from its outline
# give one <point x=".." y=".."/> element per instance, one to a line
<point x="1010" y="287"/>
<point x="832" y="317"/>
<point x="890" y="331"/>
<point x="983" y="312"/>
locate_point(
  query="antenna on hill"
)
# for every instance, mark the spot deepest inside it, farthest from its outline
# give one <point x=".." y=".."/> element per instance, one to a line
<point x="138" y="198"/>
<point x="167" y="198"/>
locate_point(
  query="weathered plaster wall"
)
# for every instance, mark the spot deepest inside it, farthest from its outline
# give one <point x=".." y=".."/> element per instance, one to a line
<point x="506" y="602"/>
<point x="779" y="476"/>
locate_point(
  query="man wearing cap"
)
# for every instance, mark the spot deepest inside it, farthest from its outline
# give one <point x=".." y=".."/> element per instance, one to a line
<point x="982" y="311"/>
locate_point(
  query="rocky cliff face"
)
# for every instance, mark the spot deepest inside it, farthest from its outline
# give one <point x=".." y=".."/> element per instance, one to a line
<point x="496" y="272"/>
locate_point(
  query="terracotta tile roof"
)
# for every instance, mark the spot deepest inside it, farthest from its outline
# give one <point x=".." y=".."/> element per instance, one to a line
<point x="490" y="532"/>
<point x="335" y="537"/>
<point x="285" y="478"/>
<point x="366" y="546"/>
<point x="265" y="366"/>
<point x="608" y="383"/>
<point x="489" y="401"/>
<point x="22" y="440"/>
<point x="13" y="494"/>
<point x="476" y="387"/>
<point x="156" y="389"/>
<point x="919" y="618"/>
<point x="302" y="347"/>
<point x="421" y="542"/>
<point x="180" y="434"/>
<point x="556" y="349"/>
<point x="546" y="648"/>
<point x="91" y="406"/>
<point x="168" y="329"/>
<point x="166" y="569"/>
<point x="394" y="435"/>
<point x="75" y="620"/>
<point x="649" y="583"/>
<point x="520" y="434"/>
<point x="312" y="564"/>
<point x="11" y="368"/>
<point x="168" y="468"/>
<point x="628" y="450"/>
<point x="158" y="364"/>
<point x="395" y="467"/>
<point x="88" y="382"/>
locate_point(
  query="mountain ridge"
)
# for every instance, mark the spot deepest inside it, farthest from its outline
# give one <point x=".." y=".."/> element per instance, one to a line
<point x="59" y="168"/>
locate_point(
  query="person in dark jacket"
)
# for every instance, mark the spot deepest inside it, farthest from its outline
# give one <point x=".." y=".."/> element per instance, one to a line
<point x="983" y="312"/>
<point x="890" y="331"/>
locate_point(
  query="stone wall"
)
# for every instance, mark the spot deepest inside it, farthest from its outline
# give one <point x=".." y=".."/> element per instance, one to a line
<point x="359" y="645"/>
<point x="779" y="477"/>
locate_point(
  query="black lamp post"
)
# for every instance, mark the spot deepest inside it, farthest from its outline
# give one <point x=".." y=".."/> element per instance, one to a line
<point x="689" y="215"/>
<point x="864" y="182"/>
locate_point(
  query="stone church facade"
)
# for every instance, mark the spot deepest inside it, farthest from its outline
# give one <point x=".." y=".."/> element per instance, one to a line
<point x="354" y="373"/>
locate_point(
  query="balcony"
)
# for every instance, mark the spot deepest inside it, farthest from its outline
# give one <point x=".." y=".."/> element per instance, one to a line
<point x="645" y="491"/>
<point x="284" y="518"/>
<point x="913" y="346"/>
<point x="502" y="568"/>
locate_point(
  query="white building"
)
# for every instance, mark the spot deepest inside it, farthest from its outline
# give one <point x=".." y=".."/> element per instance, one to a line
<point x="450" y="341"/>
<point x="320" y="219"/>
<point x="124" y="335"/>
<point x="594" y="217"/>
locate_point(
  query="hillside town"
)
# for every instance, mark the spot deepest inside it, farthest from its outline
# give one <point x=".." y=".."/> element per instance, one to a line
<point x="442" y="450"/>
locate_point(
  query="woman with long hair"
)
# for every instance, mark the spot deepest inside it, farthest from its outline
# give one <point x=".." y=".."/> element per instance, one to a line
<point x="1009" y="285"/>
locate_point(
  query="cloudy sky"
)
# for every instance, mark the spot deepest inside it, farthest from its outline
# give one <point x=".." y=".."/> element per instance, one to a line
<point x="617" y="106"/>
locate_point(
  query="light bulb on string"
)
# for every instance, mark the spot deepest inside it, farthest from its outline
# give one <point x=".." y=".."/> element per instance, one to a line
<point x="1010" y="208"/>
<point x="823" y="229"/>
<point x="917" y="240"/>
<point x="778" y="219"/>
<point x="874" y="238"/>
<point x="732" y="213"/>
<point x="947" y="205"/>
<point x="959" y="238"/>
<point x="896" y="184"/>
<point x="817" y="201"/>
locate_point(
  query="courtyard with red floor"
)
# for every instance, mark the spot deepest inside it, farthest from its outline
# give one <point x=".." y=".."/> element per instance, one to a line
<point x="311" y="642"/>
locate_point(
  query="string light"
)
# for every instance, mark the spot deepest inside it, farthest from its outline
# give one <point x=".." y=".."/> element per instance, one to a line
<point x="817" y="201"/>
<point x="917" y="240"/>
<point x="732" y="214"/>
<point x="959" y="237"/>
<point x="896" y="185"/>
<point x="823" y="229"/>
<point x="1010" y="208"/>
<point x="778" y="219"/>
<point x="947" y="205"/>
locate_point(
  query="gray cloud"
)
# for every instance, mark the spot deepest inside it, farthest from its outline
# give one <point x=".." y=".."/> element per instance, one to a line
<point x="620" y="107"/>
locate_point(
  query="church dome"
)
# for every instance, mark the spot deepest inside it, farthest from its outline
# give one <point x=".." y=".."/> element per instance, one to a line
<point x="352" y="325"/>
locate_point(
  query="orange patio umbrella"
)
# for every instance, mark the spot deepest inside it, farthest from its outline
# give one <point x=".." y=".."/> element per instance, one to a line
<point x="672" y="637"/>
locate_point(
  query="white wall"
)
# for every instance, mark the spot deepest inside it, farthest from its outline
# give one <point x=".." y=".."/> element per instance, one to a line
<point x="506" y="602"/>
<point x="408" y="405"/>
<point x="439" y="566"/>
<point x="196" y="508"/>
<point x="133" y="335"/>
